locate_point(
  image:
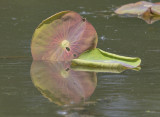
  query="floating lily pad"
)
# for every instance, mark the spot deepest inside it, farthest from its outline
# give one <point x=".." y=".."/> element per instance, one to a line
<point x="97" y="58"/>
<point x="139" y="8"/>
<point x="156" y="9"/>
<point x="157" y="3"/>
<point x="60" y="84"/>
<point x="62" y="37"/>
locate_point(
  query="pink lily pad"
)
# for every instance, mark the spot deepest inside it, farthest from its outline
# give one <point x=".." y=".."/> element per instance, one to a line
<point x="60" y="84"/>
<point x="156" y="9"/>
<point x="62" y="37"/>
<point x="157" y="3"/>
<point x="139" y="8"/>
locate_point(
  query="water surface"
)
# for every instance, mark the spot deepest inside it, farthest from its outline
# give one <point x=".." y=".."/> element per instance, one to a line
<point x="126" y="94"/>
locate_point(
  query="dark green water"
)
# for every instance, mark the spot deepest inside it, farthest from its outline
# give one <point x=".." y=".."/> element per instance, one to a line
<point x="127" y="94"/>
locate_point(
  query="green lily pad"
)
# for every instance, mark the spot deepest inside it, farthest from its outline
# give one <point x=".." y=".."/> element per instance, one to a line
<point x="98" y="58"/>
<point x="139" y="8"/>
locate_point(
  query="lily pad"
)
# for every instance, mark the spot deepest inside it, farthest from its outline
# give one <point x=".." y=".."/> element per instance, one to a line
<point x="60" y="84"/>
<point x="97" y="69"/>
<point x="98" y="58"/>
<point x="156" y="9"/>
<point x="62" y="37"/>
<point x="139" y="8"/>
<point x="157" y="3"/>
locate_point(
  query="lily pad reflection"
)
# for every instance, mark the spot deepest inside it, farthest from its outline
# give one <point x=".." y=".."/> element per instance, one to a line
<point x="60" y="84"/>
<point x="150" y="19"/>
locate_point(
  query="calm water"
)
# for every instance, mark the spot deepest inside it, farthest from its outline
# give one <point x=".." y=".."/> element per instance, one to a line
<point x="126" y="94"/>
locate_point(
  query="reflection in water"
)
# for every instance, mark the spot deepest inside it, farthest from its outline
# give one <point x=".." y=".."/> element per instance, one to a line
<point x="60" y="84"/>
<point x="147" y="19"/>
<point x="98" y="69"/>
<point x="65" y="86"/>
<point x="150" y="19"/>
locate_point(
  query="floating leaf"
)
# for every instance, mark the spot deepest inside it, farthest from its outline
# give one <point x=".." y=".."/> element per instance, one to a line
<point x="60" y="84"/>
<point x="97" y="58"/>
<point x="62" y="37"/>
<point x="156" y="9"/>
<point x="157" y="3"/>
<point x="139" y="8"/>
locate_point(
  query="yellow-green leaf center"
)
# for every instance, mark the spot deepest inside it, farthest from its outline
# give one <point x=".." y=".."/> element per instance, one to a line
<point x="64" y="74"/>
<point x="65" y="44"/>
